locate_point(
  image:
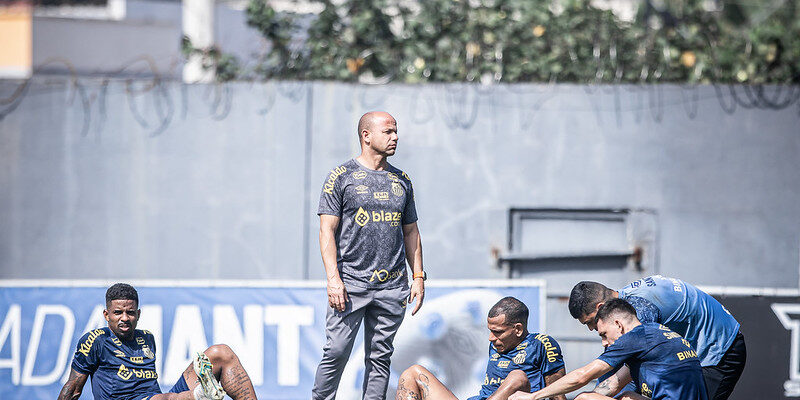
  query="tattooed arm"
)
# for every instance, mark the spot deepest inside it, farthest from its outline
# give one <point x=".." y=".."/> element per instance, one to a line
<point x="554" y="377"/>
<point x="74" y="387"/>
<point x="614" y="383"/>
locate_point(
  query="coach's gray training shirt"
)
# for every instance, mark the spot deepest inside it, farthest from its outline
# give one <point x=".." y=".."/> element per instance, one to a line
<point x="373" y="207"/>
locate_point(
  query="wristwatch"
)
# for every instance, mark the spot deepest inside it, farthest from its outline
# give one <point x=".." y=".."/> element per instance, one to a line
<point x="423" y="275"/>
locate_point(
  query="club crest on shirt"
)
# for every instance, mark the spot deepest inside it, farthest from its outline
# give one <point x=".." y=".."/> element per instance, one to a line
<point x="520" y="357"/>
<point x="147" y="352"/>
<point x="397" y="189"/>
<point x="124" y="373"/>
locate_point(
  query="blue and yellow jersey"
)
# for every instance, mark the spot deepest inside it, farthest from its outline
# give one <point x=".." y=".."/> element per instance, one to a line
<point x="663" y="364"/>
<point x="687" y="310"/>
<point x="538" y="355"/>
<point x="119" y="370"/>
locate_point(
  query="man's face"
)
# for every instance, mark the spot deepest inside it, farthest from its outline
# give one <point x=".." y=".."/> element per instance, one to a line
<point x="588" y="319"/>
<point x="609" y="331"/>
<point x="122" y="316"/>
<point x="504" y="336"/>
<point x="382" y="136"/>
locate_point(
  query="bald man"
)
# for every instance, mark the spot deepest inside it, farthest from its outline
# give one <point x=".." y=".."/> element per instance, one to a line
<point x="367" y="232"/>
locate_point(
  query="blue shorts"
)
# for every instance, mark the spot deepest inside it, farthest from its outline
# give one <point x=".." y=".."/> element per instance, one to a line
<point x="180" y="386"/>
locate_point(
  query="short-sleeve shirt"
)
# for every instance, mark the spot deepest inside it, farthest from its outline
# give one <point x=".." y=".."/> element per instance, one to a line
<point x="662" y="363"/>
<point x="372" y="206"/>
<point x="538" y="356"/>
<point x="687" y="310"/>
<point x="119" y="370"/>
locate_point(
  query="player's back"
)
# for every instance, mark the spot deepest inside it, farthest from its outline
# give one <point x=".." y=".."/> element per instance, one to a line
<point x="687" y="310"/>
<point x="662" y="363"/>
<point x="119" y="370"/>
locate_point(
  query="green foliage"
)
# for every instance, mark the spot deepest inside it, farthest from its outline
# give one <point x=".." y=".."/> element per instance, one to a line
<point x="531" y="41"/>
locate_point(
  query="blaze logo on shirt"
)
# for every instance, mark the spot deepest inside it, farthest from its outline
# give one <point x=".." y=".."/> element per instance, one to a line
<point x="397" y="189"/>
<point x="359" y="174"/>
<point x="520" y="357"/>
<point x="124" y="373"/>
<point x="362" y="217"/>
<point x="87" y="345"/>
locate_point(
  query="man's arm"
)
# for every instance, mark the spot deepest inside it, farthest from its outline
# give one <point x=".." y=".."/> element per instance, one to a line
<point x="413" y="244"/>
<point x="74" y="387"/>
<point x="571" y="381"/>
<point x="337" y="295"/>
<point x="611" y="386"/>
<point x="549" y="379"/>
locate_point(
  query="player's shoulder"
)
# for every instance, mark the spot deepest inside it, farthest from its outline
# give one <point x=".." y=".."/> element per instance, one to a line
<point x="399" y="173"/>
<point x="543" y="339"/>
<point x="93" y="339"/>
<point x="144" y="333"/>
<point x="341" y="169"/>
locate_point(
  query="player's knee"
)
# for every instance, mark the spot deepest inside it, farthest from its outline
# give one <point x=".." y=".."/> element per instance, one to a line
<point x="414" y="371"/>
<point x="517" y="380"/>
<point x="220" y="354"/>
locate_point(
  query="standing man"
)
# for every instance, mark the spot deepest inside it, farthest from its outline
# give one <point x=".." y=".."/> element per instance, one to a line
<point x="368" y="229"/>
<point x="687" y="310"/>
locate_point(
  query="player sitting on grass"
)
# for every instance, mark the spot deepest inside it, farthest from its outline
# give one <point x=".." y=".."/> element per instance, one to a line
<point x="122" y="362"/>
<point x="518" y="360"/>
<point x="661" y="362"/>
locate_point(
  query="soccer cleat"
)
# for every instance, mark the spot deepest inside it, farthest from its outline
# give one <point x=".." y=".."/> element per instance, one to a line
<point x="210" y="387"/>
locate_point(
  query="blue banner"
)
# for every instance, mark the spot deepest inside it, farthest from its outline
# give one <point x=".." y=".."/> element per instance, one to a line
<point x="277" y="332"/>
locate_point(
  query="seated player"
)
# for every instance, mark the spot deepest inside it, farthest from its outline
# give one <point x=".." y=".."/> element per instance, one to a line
<point x="121" y="361"/>
<point x="518" y="360"/>
<point x="661" y="362"/>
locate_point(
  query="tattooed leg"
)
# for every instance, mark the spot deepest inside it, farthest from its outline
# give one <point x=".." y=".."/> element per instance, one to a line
<point x="417" y="383"/>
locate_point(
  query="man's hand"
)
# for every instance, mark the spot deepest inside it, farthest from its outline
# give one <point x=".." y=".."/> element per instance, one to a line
<point x="337" y="295"/>
<point x="417" y="293"/>
<point x="521" y="396"/>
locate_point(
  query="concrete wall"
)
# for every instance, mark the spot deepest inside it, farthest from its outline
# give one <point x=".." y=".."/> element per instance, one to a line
<point x="143" y="180"/>
<point x="130" y="180"/>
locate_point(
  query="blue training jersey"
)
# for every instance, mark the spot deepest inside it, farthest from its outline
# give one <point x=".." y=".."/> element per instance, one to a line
<point x="687" y="310"/>
<point x="663" y="364"/>
<point x="119" y="370"/>
<point x="538" y="355"/>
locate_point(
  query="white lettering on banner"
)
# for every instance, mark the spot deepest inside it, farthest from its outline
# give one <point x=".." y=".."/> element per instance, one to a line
<point x="42" y="312"/>
<point x="186" y="338"/>
<point x="247" y="343"/>
<point x="787" y="314"/>
<point x="289" y="319"/>
<point x="11" y="327"/>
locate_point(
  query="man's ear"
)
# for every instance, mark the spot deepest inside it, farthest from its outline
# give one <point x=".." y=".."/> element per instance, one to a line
<point x="597" y="307"/>
<point x="105" y="314"/>
<point x="519" y="330"/>
<point x="621" y="327"/>
<point x="365" y="136"/>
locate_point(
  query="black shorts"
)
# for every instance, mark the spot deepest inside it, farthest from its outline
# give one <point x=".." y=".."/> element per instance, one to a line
<point x="721" y="378"/>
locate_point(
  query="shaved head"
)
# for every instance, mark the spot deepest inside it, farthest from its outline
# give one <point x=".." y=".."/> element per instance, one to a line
<point x="368" y="120"/>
